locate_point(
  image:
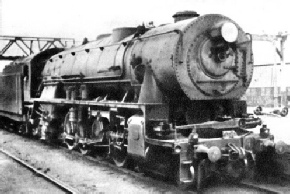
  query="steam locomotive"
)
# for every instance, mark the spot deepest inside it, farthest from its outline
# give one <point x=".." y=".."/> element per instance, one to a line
<point x="166" y="98"/>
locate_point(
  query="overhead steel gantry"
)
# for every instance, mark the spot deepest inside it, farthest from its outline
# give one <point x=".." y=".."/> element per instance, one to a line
<point x="29" y="45"/>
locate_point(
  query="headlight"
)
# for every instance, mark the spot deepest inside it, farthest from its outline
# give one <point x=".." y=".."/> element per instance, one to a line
<point x="214" y="154"/>
<point x="229" y="32"/>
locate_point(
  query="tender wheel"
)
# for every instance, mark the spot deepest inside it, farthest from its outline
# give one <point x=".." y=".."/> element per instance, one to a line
<point x="84" y="149"/>
<point x="119" y="153"/>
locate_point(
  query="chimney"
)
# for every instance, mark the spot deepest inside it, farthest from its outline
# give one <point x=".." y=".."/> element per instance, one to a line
<point x="184" y="15"/>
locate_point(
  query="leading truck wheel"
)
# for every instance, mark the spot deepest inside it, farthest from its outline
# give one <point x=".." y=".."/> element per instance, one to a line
<point x="118" y="152"/>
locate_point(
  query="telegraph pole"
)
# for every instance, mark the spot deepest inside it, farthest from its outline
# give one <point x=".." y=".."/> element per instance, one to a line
<point x="1" y="17"/>
<point x="283" y="85"/>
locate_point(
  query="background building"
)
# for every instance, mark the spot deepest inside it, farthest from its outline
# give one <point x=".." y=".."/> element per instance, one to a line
<point x="270" y="86"/>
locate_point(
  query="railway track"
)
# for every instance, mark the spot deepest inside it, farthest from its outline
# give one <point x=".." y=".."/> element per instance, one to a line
<point x="57" y="183"/>
<point x="260" y="188"/>
<point x="245" y="186"/>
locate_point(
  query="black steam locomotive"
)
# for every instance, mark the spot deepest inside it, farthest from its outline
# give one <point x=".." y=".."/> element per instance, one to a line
<point x="166" y="98"/>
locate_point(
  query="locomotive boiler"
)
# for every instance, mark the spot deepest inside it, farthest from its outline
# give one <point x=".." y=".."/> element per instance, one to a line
<point x="166" y="98"/>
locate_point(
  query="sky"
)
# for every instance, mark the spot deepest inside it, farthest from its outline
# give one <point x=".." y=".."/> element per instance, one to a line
<point x="88" y="18"/>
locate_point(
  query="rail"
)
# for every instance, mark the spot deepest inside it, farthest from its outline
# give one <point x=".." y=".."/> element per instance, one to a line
<point x="54" y="181"/>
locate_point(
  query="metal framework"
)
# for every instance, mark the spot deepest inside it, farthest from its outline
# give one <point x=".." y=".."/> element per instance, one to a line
<point x="281" y="39"/>
<point x="273" y="38"/>
<point x="30" y="45"/>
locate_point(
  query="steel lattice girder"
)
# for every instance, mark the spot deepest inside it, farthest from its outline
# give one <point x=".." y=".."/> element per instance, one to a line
<point x="31" y="45"/>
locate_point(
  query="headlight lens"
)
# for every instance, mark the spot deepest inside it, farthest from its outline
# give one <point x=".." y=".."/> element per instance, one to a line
<point x="229" y="32"/>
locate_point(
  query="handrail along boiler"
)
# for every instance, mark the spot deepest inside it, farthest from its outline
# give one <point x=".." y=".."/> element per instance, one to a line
<point x="167" y="97"/>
